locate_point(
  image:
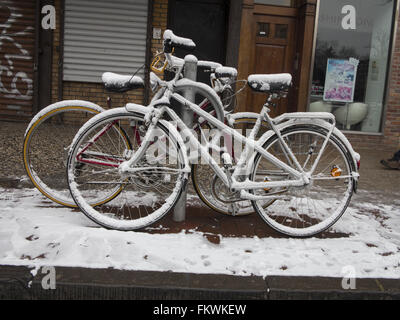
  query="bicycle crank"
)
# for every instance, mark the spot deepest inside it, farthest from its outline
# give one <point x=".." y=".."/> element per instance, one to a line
<point x="222" y="193"/>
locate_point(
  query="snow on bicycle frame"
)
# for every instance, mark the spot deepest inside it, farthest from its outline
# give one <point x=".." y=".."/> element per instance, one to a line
<point x="274" y="84"/>
<point x="161" y="107"/>
<point x="120" y="83"/>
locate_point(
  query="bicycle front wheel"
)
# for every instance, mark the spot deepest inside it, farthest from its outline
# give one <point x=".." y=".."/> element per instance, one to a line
<point x="146" y="193"/>
<point x="46" y="145"/>
<point x="308" y="210"/>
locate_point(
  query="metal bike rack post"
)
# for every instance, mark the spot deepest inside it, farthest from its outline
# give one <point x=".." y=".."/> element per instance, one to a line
<point x="190" y="72"/>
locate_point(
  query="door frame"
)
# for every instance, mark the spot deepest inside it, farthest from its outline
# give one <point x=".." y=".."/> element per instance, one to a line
<point x="304" y="11"/>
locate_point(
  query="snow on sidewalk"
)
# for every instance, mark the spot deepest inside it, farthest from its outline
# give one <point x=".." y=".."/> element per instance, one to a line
<point x="36" y="233"/>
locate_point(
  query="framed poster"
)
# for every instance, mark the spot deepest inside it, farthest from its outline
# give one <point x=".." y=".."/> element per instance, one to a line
<point x="340" y="80"/>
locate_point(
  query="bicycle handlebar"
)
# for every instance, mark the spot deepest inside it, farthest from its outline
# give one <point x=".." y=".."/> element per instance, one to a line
<point x="217" y="72"/>
<point x="172" y="41"/>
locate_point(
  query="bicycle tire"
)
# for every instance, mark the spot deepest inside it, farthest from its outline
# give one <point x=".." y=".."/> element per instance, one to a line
<point x="293" y="214"/>
<point x="138" y="190"/>
<point x="47" y="171"/>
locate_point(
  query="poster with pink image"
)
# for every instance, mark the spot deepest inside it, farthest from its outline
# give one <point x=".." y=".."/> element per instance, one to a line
<point x="340" y="80"/>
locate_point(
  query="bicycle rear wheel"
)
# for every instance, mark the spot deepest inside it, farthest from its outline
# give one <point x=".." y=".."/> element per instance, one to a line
<point x="146" y="194"/>
<point x="212" y="191"/>
<point x="308" y="210"/>
<point x="46" y="145"/>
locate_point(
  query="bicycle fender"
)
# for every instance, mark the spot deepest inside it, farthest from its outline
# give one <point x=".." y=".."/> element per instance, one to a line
<point x="231" y="118"/>
<point x="321" y="123"/>
<point x="133" y="107"/>
<point x="343" y="139"/>
<point x="63" y="104"/>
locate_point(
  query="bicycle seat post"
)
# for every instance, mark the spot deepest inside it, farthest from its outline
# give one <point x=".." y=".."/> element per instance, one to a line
<point x="190" y="72"/>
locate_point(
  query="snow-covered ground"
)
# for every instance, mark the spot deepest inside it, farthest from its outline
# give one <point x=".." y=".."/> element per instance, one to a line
<point x="34" y="232"/>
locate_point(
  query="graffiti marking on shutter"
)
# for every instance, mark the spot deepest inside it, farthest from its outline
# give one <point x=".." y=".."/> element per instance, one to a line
<point x="14" y="83"/>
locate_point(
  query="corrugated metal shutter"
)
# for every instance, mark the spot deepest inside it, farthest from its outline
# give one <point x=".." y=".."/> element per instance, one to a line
<point x="17" y="47"/>
<point x="104" y="36"/>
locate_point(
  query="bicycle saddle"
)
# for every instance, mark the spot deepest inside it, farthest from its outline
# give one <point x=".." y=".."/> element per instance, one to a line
<point x="172" y="41"/>
<point x="121" y="83"/>
<point x="270" y="83"/>
<point x="225" y="72"/>
<point x="208" y="65"/>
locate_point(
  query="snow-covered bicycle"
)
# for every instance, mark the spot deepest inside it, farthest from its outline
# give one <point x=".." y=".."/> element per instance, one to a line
<point x="299" y="176"/>
<point x="49" y="134"/>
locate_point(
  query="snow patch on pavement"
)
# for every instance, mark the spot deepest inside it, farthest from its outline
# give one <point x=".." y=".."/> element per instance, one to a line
<point x="35" y="232"/>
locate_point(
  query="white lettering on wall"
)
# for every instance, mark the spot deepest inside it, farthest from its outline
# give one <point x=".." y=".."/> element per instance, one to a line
<point x="49" y="20"/>
<point x="349" y="21"/>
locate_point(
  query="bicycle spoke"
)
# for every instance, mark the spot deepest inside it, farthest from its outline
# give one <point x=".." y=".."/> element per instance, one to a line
<point x="316" y="206"/>
<point x="135" y="198"/>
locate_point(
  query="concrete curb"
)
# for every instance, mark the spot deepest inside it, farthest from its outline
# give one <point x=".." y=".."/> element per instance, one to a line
<point x="331" y="288"/>
<point x="80" y="283"/>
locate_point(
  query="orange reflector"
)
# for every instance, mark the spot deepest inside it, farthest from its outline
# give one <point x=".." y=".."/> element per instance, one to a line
<point x="267" y="189"/>
<point x="336" y="172"/>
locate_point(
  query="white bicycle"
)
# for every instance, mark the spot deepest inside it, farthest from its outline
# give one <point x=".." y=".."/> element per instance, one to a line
<point x="50" y="133"/>
<point x="299" y="176"/>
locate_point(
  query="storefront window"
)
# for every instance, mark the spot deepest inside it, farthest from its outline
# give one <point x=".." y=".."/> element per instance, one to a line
<point x="351" y="62"/>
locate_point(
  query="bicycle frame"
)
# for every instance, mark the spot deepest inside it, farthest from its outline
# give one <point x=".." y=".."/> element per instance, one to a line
<point x="160" y="107"/>
<point x="110" y="161"/>
<point x="301" y="178"/>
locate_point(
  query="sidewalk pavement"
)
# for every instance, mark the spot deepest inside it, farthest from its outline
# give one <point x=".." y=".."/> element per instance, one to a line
<point x="79" y="283"/>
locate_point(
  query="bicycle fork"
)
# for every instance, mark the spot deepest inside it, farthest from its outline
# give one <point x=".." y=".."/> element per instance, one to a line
<point x="151" y="121"/>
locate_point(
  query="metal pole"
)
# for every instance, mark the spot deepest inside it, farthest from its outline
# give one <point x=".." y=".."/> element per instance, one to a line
<point x="190" y="72"/>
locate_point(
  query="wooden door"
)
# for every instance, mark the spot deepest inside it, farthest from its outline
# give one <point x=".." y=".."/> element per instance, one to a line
<point x="274" y="53"/>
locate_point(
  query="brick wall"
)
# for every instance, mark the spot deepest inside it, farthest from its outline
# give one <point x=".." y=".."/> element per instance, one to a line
<point x="361" y="141"/>
<point x="160" y="14"/>
<point x="392" y="120"/>
<point x="95" y="92"/>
